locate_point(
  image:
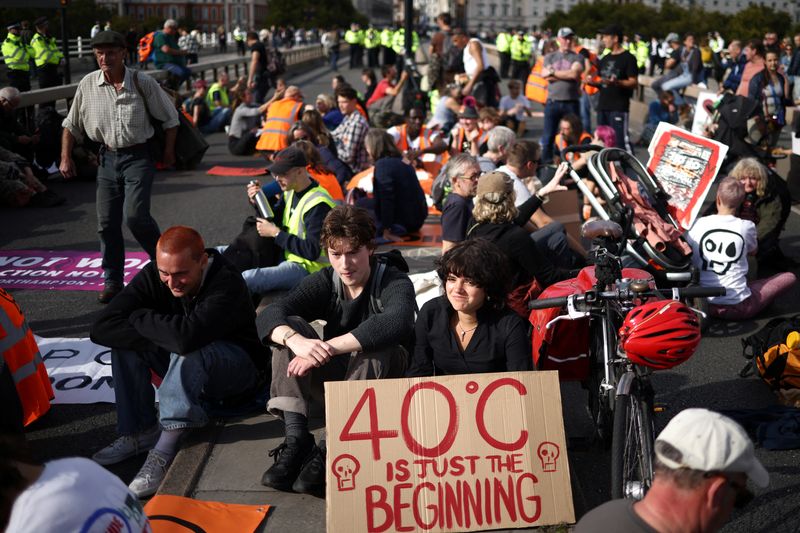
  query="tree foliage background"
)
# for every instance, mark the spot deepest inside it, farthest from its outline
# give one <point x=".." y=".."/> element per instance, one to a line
<point x="313" y="13"/>
<point x="754" y="21"/>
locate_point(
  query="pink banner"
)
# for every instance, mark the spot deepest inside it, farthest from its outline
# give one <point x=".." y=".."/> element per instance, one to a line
<point x="60" y="270"/>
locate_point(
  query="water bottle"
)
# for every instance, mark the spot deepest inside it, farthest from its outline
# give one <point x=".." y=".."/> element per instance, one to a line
<point x="262" y="205"/>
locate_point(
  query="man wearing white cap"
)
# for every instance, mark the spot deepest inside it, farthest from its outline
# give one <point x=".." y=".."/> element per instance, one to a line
<point x="703" y="462"/>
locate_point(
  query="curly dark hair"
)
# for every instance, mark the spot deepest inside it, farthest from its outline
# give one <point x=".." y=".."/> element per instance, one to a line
<point x="348" y="223"/>
<point x="482" y="262"/>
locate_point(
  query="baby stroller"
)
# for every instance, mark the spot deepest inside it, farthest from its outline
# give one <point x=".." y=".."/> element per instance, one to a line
<point x="630" y="195"/>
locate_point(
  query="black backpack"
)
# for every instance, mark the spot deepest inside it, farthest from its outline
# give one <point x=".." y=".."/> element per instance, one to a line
<point x="773" y="333"/>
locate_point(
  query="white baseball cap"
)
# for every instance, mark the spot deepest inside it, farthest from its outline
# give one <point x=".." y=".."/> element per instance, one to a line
<point x="709" y="442"/>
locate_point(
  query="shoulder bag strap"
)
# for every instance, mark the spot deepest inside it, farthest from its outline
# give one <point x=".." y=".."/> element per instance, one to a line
<point x="135" y="77"/>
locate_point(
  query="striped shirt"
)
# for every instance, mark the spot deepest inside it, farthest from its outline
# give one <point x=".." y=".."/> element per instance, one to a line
<point x="118" y="119"/>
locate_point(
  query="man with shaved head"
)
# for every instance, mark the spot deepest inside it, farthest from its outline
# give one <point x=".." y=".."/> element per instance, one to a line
<point x="188" y="318"/>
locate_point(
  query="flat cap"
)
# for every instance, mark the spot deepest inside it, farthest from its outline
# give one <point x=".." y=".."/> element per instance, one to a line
<point x="108" y="38"/>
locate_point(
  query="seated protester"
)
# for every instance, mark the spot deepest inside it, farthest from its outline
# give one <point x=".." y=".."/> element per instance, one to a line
<point x="187" y="317"/>
<point x="445" y="113"/>
<point x="318" y="171"/>
<point x="514" y="107"/>
<point x="462" y="173"/>
<point x="316" y="123"/>
<point x="69" y="494"/>
<point x="497" y="143"/>
<point x="246" y="120"/>
<point x="327" y="107"/>
<point x="285" y="109"/>
<point x="467" y="137"/>
<point x="168" y="55"/>
<point x="219" y="105"/>
<point x="766" y="204"/>
<point x="703" y="461"/>
<point x="398" y="199"/>
<point x="370" y="82"/>
<point x="661" y="110"/>
<point x="19" y="187"/>
<point x="720" y="246"/>
<point x="13" y="135"/>
<point x="359" y="341"/>
<point x="302" y="131"/>
<point x="470" y="330"/>
<point x="522" y="162"/>
<point x="415" y="140"/>
<point x="497" y="219"/>
<point x="197" y="107"/>
<point x="570" y="133"/>
<point x="350" y="134"/>
<point x="382" y="97"/>
<point x="296" y="228"/>
<point x="488" y="119"/>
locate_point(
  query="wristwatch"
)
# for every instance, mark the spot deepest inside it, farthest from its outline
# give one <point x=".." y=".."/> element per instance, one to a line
<point x="287" y="336"/>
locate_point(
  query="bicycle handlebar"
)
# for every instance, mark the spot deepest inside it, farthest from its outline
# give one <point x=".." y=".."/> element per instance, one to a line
<point x="685" y="292"/>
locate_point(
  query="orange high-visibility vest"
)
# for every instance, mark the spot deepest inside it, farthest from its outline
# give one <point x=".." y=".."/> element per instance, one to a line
<point x="21" y="354"/>
<point x="592" y="74"/>
<point x="536" y="86"/>
<point x="361" y="110"/>
<point x="403" y="144"/>
<point x="460" y="137"/>
<point x="328" y="182"/>
<point x="280" y="117"/>
<point x="561" y="143"/>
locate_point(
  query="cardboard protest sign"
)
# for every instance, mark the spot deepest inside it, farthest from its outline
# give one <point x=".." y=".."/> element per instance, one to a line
<point x="65" y="270"/>
<point x="451" y="453"/>
<point x="685" y="165"/>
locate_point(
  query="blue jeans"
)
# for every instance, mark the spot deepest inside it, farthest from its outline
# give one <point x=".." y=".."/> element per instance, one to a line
<point x="219" y="118"/>
<point x="334" y="59"/>
<point x="124" y="183"/>
<point x="675" y="84"/>
<point x="586" y="112"/>
<point x="284" y="276"/>
<point x="554" y="111"/>
<point x="218" y="370"/>
<point x="618" y="120"/>
<point x="552" y="240"/>
<point x="179" y="71"/>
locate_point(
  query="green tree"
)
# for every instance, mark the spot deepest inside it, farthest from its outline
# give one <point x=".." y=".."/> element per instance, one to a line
<point x="754" y="21"/>
<point x="308" y="13"/>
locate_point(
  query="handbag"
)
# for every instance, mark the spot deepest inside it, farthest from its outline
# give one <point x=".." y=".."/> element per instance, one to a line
<point x="190" y="145"/>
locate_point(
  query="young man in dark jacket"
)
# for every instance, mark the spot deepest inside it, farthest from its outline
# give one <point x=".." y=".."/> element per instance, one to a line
<point x="369" y="312"/>
<point x="189" y="318"/>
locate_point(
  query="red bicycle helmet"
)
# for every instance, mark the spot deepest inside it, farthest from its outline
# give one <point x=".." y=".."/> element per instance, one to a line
<point x="660" y="334"/>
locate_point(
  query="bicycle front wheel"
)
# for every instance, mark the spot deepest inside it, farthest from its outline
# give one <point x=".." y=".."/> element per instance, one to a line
<point x="632" y="445"/>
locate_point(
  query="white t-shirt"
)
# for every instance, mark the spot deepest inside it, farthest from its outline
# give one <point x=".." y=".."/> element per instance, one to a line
<point x="720" y="246"/>
<point x="520" y="189"/>
<point x="470" y="65"/>
<point x="77" y="494"/>
<point x="506" y="103"/>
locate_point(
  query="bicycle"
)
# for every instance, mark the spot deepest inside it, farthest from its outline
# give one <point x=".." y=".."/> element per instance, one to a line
<point x="621" y="396"/>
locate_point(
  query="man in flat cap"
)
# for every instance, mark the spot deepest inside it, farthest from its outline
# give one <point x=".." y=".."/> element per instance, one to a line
<point x="109" y="107"/>
<point x="46" y="54"/>
<point x="17" y="58"/>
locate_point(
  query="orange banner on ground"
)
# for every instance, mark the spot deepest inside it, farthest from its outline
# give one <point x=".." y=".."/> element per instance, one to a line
<point x="174" y="514"/>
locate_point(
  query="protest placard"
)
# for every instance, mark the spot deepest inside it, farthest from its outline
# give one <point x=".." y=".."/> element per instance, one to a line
<point x="685" y="165"/>
<point x="703" y="111"/>
<point x="450" y="453"/>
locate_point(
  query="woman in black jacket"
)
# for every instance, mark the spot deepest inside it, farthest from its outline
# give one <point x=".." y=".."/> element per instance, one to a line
<point x="469" y="329"/>
<point x="398" y="199"/>
<point x="497" y="219"/>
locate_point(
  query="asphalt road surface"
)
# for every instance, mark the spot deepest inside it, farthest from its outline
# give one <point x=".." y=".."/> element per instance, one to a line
<point x="217" y="206"/>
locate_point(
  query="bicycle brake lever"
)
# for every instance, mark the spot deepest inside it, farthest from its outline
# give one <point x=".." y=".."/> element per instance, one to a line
<point x="572" y="313"/>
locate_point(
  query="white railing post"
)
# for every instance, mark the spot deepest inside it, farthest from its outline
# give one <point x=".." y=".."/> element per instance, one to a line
<point x="80" y="47"/>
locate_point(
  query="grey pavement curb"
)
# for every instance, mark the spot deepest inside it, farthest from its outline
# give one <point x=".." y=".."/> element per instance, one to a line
<point x="183" y="475"/>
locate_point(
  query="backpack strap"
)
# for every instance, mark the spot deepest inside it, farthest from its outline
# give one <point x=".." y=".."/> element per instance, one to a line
<point x="135" y="76"/>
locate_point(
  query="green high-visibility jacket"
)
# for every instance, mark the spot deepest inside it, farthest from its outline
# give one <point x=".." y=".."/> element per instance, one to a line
<point x="15" y="52"/>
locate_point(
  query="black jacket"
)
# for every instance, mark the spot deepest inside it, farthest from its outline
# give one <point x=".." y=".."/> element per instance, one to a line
<point x="146" y="316"/>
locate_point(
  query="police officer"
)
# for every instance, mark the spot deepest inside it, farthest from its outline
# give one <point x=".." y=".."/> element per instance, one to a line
<point x="372" y="43"/>
<point x="503" y="43"/>
<point x="353" y="38"/>
<point x="46" y="55"/>
<point x="520" y="49"/>
<point x="17" y="55"/>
